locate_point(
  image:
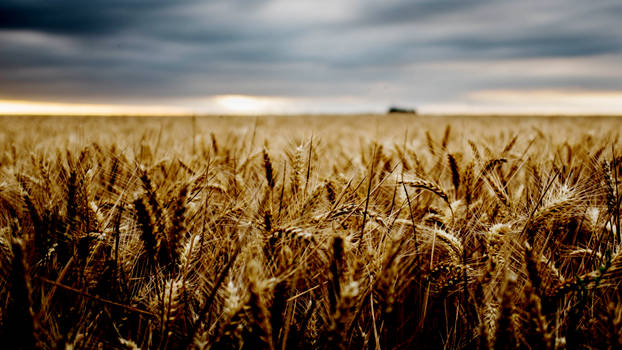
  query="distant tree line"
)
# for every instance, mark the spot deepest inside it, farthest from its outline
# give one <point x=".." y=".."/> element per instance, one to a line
<point x="395" y="109"/>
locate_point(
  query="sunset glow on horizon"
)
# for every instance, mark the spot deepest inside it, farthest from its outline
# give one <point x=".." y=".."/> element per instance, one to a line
<point x="502" y="102"/>
<point x="21" y="107"/>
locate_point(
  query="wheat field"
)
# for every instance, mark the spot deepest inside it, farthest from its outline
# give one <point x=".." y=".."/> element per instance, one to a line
<point x="342" y="232"/>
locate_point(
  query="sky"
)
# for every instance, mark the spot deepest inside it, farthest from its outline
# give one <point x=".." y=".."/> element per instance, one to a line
<point x="316" y="56"/>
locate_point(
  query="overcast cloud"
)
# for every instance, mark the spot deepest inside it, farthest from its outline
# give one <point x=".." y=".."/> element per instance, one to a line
<point x="322" y="56"/>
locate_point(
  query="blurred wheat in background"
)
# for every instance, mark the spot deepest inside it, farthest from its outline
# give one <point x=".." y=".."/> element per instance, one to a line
<point x="378" y="232"/>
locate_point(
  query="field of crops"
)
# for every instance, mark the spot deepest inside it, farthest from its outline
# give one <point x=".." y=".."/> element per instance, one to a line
<point x="349" y="232"/>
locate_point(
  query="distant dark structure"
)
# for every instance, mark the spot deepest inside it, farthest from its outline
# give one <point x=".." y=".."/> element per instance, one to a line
<point x="395" y="110"/>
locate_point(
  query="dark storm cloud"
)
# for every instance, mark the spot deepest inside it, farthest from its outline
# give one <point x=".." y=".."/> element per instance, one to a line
<point x="409" y="11"/>
<point x="489" y="29"/>
<point x="107" y="50"/>
<point x="547" y="45"/>
<point x="73" y="17"/>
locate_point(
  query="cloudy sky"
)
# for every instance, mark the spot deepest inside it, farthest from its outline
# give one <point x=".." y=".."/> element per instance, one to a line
<point x="317" y="56"/>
